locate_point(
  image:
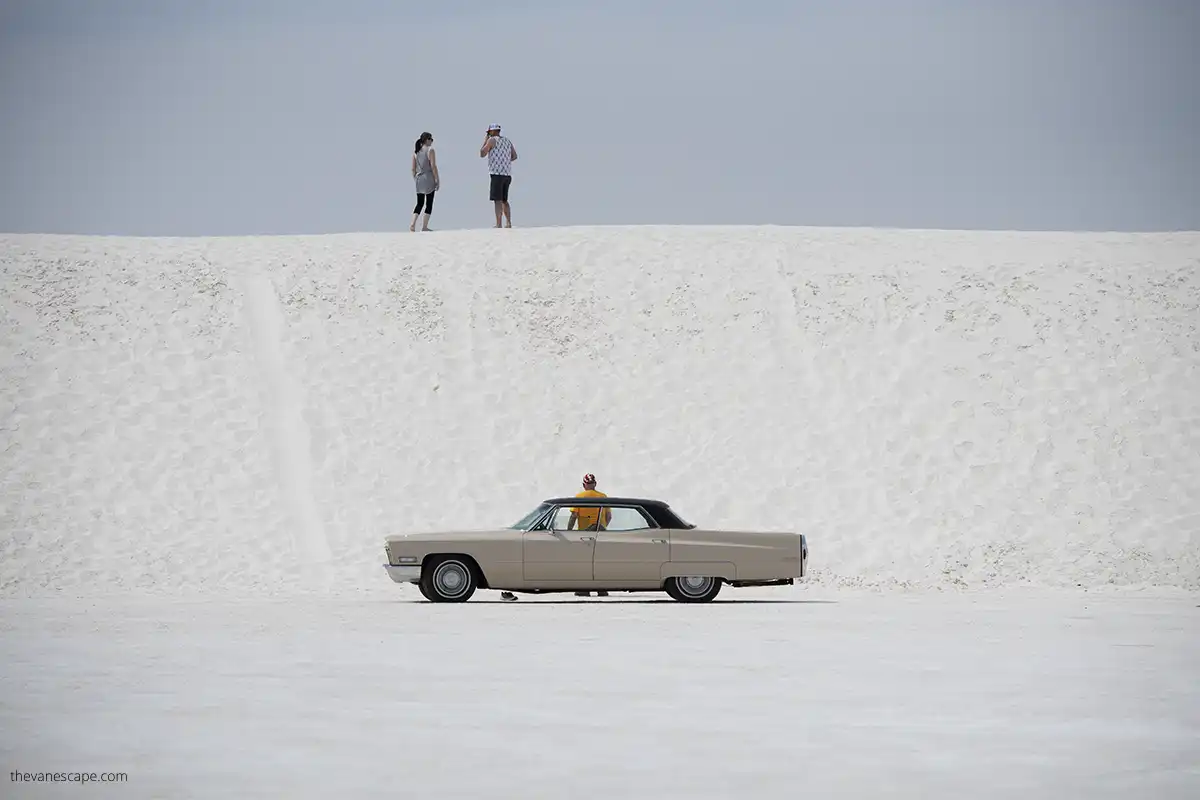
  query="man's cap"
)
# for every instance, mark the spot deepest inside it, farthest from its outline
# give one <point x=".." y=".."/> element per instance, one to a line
<point x="495" y="126"/>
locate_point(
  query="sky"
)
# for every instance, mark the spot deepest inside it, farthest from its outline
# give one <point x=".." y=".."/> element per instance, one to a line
<point x="250" y="117"/>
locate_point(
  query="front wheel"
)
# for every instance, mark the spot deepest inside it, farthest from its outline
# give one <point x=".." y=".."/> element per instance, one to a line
<point x="693" y="589"/>
<point x="448" y="579"/>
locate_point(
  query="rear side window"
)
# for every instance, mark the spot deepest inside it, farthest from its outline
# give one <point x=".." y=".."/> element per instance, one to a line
<point x="625" y="518"/>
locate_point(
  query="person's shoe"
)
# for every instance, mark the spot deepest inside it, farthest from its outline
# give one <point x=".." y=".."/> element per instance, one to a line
<point x="601" y="594"/>
<point x="583" y="594"/>
<point x="508" y="596"/>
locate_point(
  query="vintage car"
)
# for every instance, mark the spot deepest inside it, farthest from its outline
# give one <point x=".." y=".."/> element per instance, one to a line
<point x="633" y="545"/>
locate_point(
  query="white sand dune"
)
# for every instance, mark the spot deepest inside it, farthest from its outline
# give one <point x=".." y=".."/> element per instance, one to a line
<point x="196" y="433"/>
<point x="933" y="409"/>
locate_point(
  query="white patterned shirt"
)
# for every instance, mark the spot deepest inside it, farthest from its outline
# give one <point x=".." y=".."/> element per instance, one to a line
<point x="500" y="156"/>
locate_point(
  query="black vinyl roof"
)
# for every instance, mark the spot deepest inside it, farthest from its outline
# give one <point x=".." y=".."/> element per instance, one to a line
<point x="605" y="501"/>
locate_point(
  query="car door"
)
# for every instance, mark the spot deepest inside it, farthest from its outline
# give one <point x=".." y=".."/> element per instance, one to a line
<point x="555" y="555"/>
<point x="631" y="548"/>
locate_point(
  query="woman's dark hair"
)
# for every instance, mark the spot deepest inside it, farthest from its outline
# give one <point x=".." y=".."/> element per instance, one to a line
<point x="425" y="137"/>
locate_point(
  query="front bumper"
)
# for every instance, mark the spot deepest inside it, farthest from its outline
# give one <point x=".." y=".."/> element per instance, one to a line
<point x="406" y="574"/>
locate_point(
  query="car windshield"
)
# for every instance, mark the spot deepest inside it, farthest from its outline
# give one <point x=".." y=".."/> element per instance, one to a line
<point x="530" y="518"/>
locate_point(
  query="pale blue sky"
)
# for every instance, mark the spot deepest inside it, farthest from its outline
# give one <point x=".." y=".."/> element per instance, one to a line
<point x="164" y="117"/>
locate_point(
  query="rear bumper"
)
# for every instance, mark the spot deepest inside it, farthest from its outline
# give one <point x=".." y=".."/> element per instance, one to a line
<point x="407" y="574"/>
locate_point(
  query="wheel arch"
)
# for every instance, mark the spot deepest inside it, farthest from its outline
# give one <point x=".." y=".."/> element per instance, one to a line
<point x="725" y="570"/>
<point x="468" y="559"/>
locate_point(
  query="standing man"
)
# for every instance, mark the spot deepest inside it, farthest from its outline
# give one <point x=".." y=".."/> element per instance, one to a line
<point x="590" y="519"/>
<point x="500" y="153"/>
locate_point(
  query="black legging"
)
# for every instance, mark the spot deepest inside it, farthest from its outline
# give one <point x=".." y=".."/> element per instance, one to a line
<point x="426" y="200"/>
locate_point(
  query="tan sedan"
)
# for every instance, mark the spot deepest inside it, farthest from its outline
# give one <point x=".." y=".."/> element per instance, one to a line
<point x="636" y="545"/>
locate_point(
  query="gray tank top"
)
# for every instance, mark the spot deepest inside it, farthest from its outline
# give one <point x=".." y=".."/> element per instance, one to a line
<point x="424" y="172"/>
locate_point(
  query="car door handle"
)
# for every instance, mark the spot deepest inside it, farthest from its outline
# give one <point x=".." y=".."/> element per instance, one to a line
<point x="587" y="538"/>
<point x="659" y="541"/>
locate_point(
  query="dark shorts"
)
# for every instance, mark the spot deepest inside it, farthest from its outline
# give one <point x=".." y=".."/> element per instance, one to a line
<point x="500" y="184"/>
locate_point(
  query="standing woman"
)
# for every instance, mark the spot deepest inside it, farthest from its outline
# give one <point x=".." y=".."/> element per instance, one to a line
<point x="425" y="174"/>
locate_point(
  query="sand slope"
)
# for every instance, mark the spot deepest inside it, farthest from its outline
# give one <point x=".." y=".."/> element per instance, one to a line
<point x="934" y="409"/>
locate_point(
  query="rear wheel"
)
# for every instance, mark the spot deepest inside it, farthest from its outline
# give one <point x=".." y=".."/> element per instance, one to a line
<point x="448" y="579"/>
<point x="693" y="588"/>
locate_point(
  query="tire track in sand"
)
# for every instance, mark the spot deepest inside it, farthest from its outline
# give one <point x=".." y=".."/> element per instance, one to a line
<point x="287" y="432"/>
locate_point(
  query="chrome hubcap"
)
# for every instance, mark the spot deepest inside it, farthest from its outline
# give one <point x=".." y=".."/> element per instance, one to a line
<point x="694" y="586"/>
<point x="451" y="579"/>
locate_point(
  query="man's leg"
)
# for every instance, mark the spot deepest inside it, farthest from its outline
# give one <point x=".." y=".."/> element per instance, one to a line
<point x="507" y="207"/>
<point x="495" y="194"/>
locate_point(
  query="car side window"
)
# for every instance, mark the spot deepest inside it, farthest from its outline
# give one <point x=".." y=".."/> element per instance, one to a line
<point x="560" y="519"/>
<point x="627" y="519"/>
<point x="617" y="518"/>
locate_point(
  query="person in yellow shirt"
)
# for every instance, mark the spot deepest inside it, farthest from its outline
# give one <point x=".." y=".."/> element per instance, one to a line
<point x="590" y="519"/>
